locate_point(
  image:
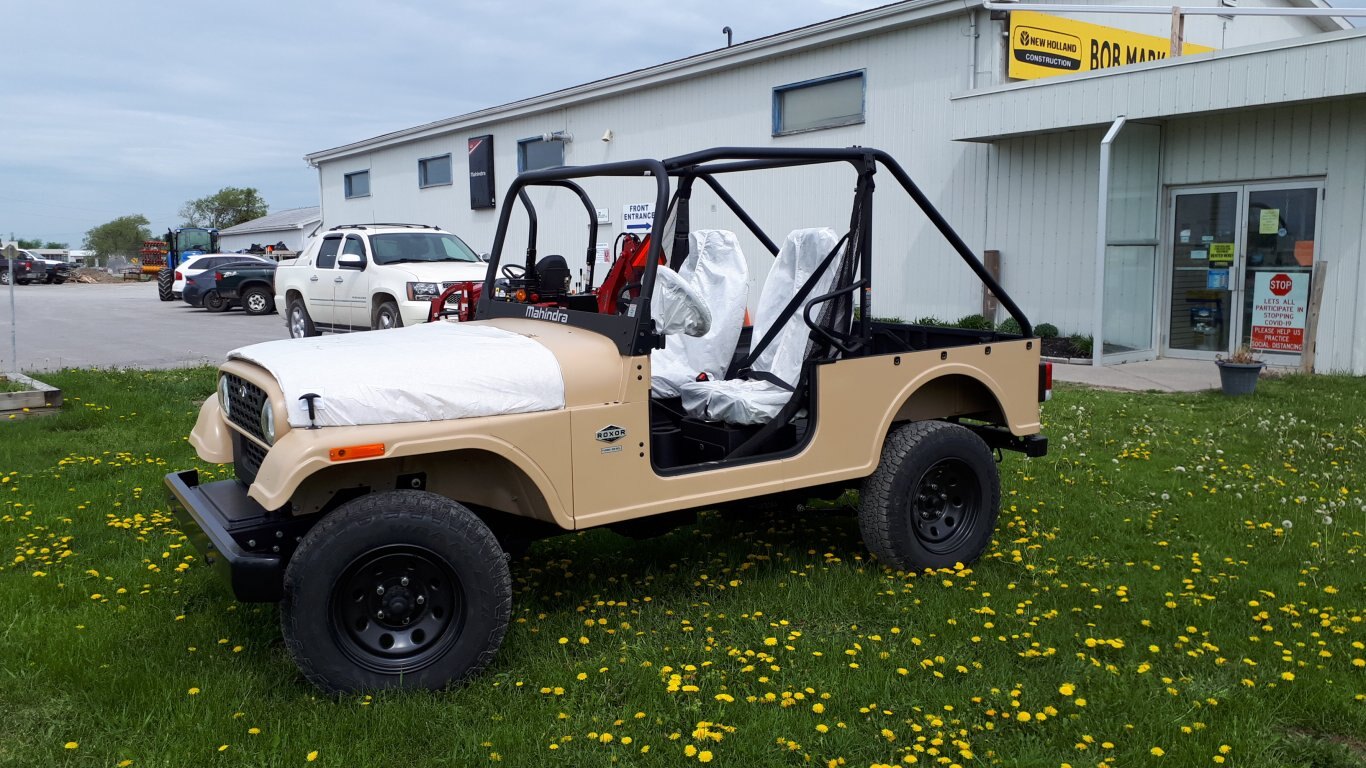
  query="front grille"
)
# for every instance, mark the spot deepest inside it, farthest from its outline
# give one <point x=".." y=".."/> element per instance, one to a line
<point x="247" y="458"/>
<point x="244" y="402"/>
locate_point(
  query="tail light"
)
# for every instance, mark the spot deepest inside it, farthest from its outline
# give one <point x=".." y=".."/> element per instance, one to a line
<point x="218" y="276"/>
<point x="179" y="276"/>
<point x="1045" y="382"/>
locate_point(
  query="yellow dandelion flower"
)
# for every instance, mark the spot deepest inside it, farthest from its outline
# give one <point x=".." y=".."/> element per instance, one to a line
<point x="193" y="691"/>
<point x="704" y="756"/>
<point x="1023" y="717"/>
<point x="1067" y="689"/>
<point x="312" y="756"/>
<point x="72" y="745"/>
<point x="689" y="751"/>
<point x="1287" y="676"/>
<point x="1156" y="752"/>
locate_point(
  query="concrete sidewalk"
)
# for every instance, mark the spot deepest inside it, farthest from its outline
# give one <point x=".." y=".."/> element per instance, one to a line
<point x="1164" y="375"/>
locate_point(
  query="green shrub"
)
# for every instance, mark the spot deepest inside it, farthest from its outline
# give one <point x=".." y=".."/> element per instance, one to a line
<point x="1046" y="331"/>
<point x="975" y="323"/>
<point x="929" y="320"/>
<point x="1081" y="345"/>
<point x="892" y="319"/>
<point x="1009" y="325"/>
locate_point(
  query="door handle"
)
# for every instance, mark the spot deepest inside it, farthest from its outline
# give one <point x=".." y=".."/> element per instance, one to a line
<point x="336" y="280"/>
<point x="313" y="279"/>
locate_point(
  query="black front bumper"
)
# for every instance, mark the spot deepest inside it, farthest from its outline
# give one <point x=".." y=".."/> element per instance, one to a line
<point x="244" y="542"/>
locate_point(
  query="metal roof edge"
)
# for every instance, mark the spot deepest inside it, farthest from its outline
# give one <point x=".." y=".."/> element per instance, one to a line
<point x="1185" y="60"/>
<point x="882" y="18"/>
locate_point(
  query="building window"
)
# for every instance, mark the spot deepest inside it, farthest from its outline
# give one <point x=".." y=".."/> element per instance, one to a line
<point x="358" y="184"/>
<point x="822" y="103"/>
<point x="535" y="154"/>
<point x="434" y="171"/>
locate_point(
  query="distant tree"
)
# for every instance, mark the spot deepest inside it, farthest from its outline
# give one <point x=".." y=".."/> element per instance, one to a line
<point x="122" y="236"/>
<point x="227" y="207"/>
<point x="26" y="243"/>
<point x="56" y="245"/>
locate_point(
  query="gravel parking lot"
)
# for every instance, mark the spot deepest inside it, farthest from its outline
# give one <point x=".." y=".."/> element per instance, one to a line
<point x="120" y="325"/>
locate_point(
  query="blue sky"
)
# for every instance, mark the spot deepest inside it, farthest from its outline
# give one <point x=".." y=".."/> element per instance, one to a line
<point x="122" y="108"/>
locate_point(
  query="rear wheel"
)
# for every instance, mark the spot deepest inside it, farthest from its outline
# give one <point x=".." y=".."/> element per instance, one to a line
<point x="165" y="280"/>
<point x="216" y="303"/>
<point x="933" y="499"/>
<point x="300" y="324"/>
<point x="257" y="301"/>
<point x="400" y="589"/>
<point x="386" y="316"/>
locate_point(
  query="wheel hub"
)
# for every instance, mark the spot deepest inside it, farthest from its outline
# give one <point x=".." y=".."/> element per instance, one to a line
<point x="945" y="502"/>
<point x="396" y="608"/>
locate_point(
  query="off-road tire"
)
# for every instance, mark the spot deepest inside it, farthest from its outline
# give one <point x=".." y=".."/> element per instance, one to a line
<point x="933" y="499"/>
<point x="327" y="583"/>
<point x="165" y="281"/>
<point x="386" y="316"/>
<point x="298" y="322"/>
<point x="256" y="300"/>
<point x="216" y="303"/>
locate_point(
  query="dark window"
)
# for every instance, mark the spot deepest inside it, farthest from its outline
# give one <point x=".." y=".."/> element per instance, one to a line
<point x="354" y="246"/>
<point x="358" y="184"/>
<point x="814" y="104"/>
<point x="535" y="154"/>
<point x="327" y="254"/>
<point x="434" y="171"/>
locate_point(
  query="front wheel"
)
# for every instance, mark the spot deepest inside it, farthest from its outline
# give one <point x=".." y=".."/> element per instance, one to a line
<point x="257" y="301"/>
<point x="933" y="499"/>
<point x="4" y="276"/>
<point x="386" y="316"/>
<point x="300" y="324"/>
<point x="398" y="589"/>
<point x="165" y="281"/>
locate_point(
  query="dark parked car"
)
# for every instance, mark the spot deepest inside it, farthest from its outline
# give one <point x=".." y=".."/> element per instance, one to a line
<point x="251" y="284"/>
<point x="245" y="283"/>
<point x="29" y="268"/>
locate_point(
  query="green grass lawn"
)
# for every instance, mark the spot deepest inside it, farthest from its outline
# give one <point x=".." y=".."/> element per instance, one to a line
<point x="1182" y="581"/>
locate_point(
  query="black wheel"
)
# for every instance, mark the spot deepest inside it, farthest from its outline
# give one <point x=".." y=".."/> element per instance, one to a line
<point x="165" y="279"/>
<point x="257" y="301"/>
<point x="59" y="280"/>
<point x="216" y="303"/>
<point x="300" y="324"/>
<point x="933" y="499"/>
<point x="49" y="279"/>
<point x="22" y="282"/>
<point x="399" y="589"/>
<point x="386" y="316"/>
<point x="4" y="276"/>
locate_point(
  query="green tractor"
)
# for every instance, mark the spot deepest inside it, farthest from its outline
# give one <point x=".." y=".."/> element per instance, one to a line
<point x="183" y="243"/>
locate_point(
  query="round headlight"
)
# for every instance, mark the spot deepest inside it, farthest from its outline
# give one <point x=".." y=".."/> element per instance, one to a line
<point x="268" y="422"/>
<point x="224" y="401"/>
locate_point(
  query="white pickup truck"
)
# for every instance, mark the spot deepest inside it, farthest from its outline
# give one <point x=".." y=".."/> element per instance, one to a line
<point x="359" y="277"/>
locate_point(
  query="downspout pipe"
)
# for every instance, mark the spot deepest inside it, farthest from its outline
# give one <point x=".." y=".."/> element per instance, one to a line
<point x="1102" y="216"/>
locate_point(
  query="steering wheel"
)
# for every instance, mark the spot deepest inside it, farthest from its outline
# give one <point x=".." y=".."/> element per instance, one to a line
<point x="514" y="271"/>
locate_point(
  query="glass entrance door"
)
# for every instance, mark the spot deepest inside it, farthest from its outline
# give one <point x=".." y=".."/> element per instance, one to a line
<point x="1241" y="265"/>
<point x="1204" y="247"/>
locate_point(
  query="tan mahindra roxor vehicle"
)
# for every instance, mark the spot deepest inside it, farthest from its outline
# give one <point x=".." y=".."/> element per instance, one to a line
<point x="381" y="477"/>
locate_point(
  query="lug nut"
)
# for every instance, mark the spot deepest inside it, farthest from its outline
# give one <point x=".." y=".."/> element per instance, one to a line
<point x="406" y="620"/>
<point x="379" y="614"/>
<point x="403" y="581"/>
<point x="421" y="599"/>
<point x="379" y="590"/>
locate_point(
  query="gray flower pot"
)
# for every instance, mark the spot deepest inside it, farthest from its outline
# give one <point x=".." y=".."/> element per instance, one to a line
<point x="1239" y="378"/>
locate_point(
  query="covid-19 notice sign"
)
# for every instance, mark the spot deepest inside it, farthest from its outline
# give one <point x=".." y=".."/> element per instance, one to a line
<point x="1279" y="309"/>
<point x="1044" y="45"/>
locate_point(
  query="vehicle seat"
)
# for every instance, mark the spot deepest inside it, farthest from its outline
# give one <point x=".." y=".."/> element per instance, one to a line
<point x="717" y="269"/>
<point x="553" y="275"/>
<point x="758" y="399"/>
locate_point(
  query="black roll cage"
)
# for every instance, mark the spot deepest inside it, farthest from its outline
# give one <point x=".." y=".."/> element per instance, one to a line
<point x="634" y="333"/>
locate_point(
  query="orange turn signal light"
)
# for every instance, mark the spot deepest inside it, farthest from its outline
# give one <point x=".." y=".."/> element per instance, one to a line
<point x="520" y="295"/>
<point x="356" y="452"/>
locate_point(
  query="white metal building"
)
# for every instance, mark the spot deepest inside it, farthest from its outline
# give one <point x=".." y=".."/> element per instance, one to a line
<point x="292" y="226"/>
<point x="1233" y="176"/>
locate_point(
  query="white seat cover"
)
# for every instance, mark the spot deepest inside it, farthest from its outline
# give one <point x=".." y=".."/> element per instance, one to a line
<point x="757" y="402"/>
<point x="428" y="372"/>
<point x="717" y="269"/>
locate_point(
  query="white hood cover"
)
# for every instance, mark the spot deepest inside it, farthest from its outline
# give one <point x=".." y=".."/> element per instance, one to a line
<point x="429" y="372"/>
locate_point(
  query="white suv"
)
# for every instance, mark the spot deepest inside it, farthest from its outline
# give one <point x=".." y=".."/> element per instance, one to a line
<point x="360" y="277"/>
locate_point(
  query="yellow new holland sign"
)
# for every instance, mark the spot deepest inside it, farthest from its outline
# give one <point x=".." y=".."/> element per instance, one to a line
<point x="1044" y="45"/>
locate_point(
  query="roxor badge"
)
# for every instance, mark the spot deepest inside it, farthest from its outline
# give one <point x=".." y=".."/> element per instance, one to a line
<point x="611" y="433"/>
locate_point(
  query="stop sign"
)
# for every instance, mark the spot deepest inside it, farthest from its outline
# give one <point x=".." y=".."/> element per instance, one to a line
<point x="1281" y="284"/>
